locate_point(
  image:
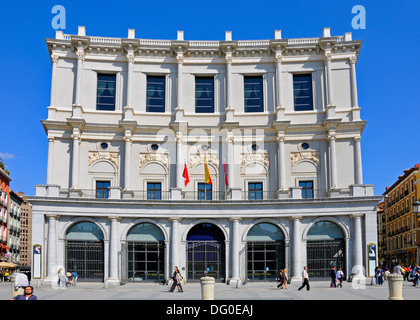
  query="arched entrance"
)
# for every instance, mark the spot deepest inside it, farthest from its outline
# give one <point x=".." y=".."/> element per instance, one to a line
<point x="85" y="252"/>
<point x="205" y="252"/>
<point x="325" y="249"/>
<point x="145" y="253"/>
<point x="265" y="252"/>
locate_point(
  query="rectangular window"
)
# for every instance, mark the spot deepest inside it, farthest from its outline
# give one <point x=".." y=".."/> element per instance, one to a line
<point x="155" y="96"/>
<point x="253" y="90"/>
<point x="102" y="189"/>
<point x="105" y="97"/>
<point x="204" y="191"/>
<point x="302" y="92"/>
<point x="255" y="191"/>
<point x="204" y="94"/>
<point x="154" y="191"/>
<point x="307" y="189"/>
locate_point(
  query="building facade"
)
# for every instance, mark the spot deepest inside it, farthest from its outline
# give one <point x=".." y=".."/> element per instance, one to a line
<point x="4" y="211"/>
<point x="14" y="228"/>
<point x="401" y="222"/>
<point x="231" y="159"/>
<point x="25" y="231"/>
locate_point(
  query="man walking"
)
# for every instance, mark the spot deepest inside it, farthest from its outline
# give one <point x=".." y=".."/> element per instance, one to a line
<point x="305" y="279"/>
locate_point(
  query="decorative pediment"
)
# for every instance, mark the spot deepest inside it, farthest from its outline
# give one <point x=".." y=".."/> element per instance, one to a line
<point x="162" y="158"/>
<point x="304" y="155"/>
<point x="197" y="158"/>
<point x="262" y="157"/>
<point x="110" y="156"/>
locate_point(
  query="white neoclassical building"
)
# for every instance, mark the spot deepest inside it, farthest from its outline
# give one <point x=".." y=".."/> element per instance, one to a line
<point x="276" y="123"/>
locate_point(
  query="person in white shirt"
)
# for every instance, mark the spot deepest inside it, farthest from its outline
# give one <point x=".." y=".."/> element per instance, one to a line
<point x="340" y="277"/>
<point x="305" y="279"/>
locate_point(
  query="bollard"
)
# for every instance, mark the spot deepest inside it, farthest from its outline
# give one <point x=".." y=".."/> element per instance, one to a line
<point x="395" y="282"/>
<point x="207" y="288"/>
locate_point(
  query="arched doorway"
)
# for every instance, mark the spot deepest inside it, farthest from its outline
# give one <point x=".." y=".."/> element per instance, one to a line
<point x="265" y="252"/>
<point x="145" y="253"/>
<point x="85" y="252"/>
<point x="325" y="249"/>
<point x="205" y="252"/>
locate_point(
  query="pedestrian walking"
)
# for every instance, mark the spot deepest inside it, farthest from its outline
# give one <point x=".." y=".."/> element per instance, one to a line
<point x="305" y="279"/>
<point x="333" y="276"/>
<point x="380" y="276"/>
<point x="340" y="277"/>
<point x="176" y="280"/>
<point x="281" y="279"/>
<point x="284" y="279"/>
<point x="397" y="269"/>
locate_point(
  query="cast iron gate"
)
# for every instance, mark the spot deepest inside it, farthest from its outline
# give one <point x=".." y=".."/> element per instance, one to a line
<point x="87" y="259"/>
<point x="206" y="258"/>
<point x="323" y="255"/>
<point x="264" y="260"/>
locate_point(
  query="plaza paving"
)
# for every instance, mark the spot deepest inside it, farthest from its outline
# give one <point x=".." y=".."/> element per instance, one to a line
<point x="320" y="290"/>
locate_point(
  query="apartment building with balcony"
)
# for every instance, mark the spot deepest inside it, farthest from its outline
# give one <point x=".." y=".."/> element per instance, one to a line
<point x="401" y="222"/>
<point x="135" y="124"/>
<point x="4" y="211"/>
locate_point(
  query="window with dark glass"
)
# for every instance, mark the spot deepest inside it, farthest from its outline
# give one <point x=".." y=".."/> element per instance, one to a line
<point x="155" y="96"/>
<point x="307" y="189"/>
<point x="154" y="191"/>
<point x="102" y="189"/>
<point x="204" y="94"/>
<point x="255" y="191"/>
<point x="204" y="191"/>
<point x="105" y="97"/>
<point x="253" y="90"/>
<point x="302" y="92"/>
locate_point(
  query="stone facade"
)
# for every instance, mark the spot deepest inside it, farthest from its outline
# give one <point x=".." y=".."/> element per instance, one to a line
<point x="285" y="167"/>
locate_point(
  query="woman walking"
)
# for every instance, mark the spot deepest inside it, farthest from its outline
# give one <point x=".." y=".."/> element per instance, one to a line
<point x="285" y="279"/>
<point x="176" y="280"/>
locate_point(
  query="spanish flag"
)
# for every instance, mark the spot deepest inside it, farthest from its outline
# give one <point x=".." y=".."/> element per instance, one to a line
<point x="206" y="171"/>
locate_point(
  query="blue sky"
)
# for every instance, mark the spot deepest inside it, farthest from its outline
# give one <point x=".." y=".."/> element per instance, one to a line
<point x="388" y="67"/>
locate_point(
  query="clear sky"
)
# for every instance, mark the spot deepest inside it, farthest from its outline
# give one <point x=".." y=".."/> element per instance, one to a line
<point x="388" y="68"/>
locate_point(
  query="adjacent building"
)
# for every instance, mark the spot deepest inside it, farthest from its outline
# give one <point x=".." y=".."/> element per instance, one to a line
<point x="14" y="228"/>
<point x="230" y="158"/>
<point x="400" y="227"/>
<point x="4" y="211"/>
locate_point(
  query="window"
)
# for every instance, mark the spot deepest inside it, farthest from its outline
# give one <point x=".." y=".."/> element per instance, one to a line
<point x="307" y="189"/>
<point x="253" y="90"/>
<point x="155" y="96"/>
<point x="302" y="92"/>
<point x="255" y="191"/>
<point x="204" y="94"/>
<point x="105" y="98"/>
<point x="204" y="191"/>
<point x="154" y="191"/>
<point x="102" y="189"/>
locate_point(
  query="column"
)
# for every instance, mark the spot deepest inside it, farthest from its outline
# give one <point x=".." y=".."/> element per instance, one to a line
<point x="354" y="99"/>
<point x="235" y="279"/>
<point x="54" y="59"/>
<point x="179" y="160"/>
<point x="229" y="108"/>
<point x="358" y="161"/>
<point x="281" y="163"/>
<point x="296" y="250"/>
<point x="50" y="160"/>
<point x="180" y="60"/>
<point x="128" y="111"/>
<point x="230" y="165"/>
<point x="52" y="248"/>
<point x="113" y="250"/>
<point x="127" y="160"/>
<point x="333" y="164"/>
<point x="175" y="243"/>
<point x="357" y="246"/>
<point x="355" y="103"/>
<point x="279" y="101"/>
<point x="80" y="59"/>
<point x="329" y="78"/>
<point x="75" y="159"/>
